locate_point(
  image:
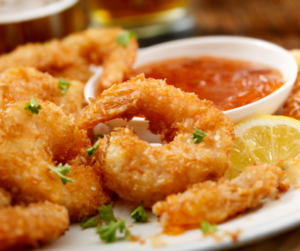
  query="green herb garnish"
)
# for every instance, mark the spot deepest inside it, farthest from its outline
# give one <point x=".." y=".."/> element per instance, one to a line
<point x="62" y="170"/>
<point x="97" y="136"/>
<point x="108" y="229"/>
<point x="208" y="228"/>
<point x="198" y="136"/>
<point x="91" y="151"/>
<point x="64" y="85"/>
<point x="108" y="232"/>
<point x="107" y="213"/>
<point x="93" y="222"/>
<point x="124" y="38"/>
<point x="33" y="106"/>
<point x="139" y="214"/>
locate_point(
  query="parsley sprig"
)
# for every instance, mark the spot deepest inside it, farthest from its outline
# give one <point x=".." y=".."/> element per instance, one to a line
<point x="139" y="214"/>
<point x="33" y="106"/>
<point x="208" y="228"/>
<point x="93" y="222"/>
<point x="97" y="136"/>
<point x="91" y="151"/>
<point x="198" y="136"/>
<point x="108" y="230"/>
<point x="107" y="213"/>
<point x="123" y="38"/>
<point x="64" y="85"/>
<point x="62" y="171"/>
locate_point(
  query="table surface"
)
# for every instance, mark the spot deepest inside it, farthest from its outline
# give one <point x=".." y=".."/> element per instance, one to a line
<point x="277" y="21"/>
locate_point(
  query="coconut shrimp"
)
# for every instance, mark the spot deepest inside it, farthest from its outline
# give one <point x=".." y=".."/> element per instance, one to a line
<point x="292" y="169"/>
<point x="21" y="83"/>
<point x="292" y="105"/>
<point x="137" y="171"/>
<point x="5" y="198"/>
<point x="24" y="227"/>
<point x="215" y="202"/>
<point x="30" y="143"/>
<point x="72" y="56"/>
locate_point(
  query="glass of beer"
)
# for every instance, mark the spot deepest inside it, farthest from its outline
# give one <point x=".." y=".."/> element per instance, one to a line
<point x="147" y="18"/>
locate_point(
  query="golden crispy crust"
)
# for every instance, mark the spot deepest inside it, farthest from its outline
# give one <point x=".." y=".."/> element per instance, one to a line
<point x="28" y="227"/>
<point x="292" y="104"/>
<point x="215" y="202"/>
<point x="137" y="171"/>
<point x="292" y="169"/>
<point x="30" y="142"/>
<point x="22" y="83"/>
<point x="71" y="56"/>
<point x="5" y="198"/>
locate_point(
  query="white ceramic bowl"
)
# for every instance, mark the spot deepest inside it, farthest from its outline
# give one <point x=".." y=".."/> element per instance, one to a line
<point x="243" y="48"/>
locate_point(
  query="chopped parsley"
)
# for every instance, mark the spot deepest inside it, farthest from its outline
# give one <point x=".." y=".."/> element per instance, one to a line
<point x="123" y="38"/>
<point x="62" y="170"/>
<point x="139" y="214"/>
<point x="97" y="136"/>
<point x="64" y="85"/>
<point x="110" y="226"/>
<point x="33" y="106"/>
<point x="108" y="232"/>
<point x="198" y="136"/>
<point x="91" y="151"/>
<point x="208" y="228"/>
<point x="93" y="222"/>
<point x="107" y="213"/>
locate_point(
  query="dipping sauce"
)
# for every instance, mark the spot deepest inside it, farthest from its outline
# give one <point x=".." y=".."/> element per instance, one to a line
<point x="229" y="83"/>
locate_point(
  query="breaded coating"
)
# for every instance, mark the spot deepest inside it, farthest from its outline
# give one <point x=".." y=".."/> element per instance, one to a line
<point x="21" y="83"/>
<point x="99" y="46"/>
<point x="292" y="104"/>
<point x="71" y="56"/>
<point x="137" y="171"/>
<point x="5" y="198"/>
<point x="30" y="226"/>
<point x="215" y="202"/>
<point x="29" y="143"/>
<point x="292" y="169"/>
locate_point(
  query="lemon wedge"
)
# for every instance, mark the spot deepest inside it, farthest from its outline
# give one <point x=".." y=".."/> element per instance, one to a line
<point x="266" y="139"/>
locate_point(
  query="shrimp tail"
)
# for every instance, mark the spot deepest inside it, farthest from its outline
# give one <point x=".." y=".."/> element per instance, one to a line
<point x="115" y="103"/>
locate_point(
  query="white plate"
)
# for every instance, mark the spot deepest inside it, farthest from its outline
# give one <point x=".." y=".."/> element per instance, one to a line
<point x="275" y="217"/>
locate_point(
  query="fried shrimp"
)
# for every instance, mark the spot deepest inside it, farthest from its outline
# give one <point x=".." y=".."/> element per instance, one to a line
<point x="31" y="143"/>
<point x="20" y="83"/>
<point x="292" y="104"/>
<point x="30" y="226"/>
<point x="71" y="56"/>
<point x="5" y="198"/>
<point x="215" y="202"/>
<point x="100" y="46"/>
<point x="292" y="169"/>
<point x="137" y="171"/>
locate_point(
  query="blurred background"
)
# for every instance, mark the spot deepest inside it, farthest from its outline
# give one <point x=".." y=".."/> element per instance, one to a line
<point x="154" y="21"/>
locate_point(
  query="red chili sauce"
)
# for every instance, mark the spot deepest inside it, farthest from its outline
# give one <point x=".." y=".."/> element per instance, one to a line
<point x="229" y="83"/>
